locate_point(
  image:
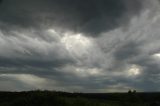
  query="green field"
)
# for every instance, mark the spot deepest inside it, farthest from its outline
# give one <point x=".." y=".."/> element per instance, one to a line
<point x="48" y="98"/>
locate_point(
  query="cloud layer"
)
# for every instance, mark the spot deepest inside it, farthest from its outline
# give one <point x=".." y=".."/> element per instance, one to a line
<point x="76" y="45"/>
<point x="91" y="17"/>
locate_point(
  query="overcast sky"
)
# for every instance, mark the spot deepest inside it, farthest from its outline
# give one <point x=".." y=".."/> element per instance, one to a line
<point x="80" y="45"/>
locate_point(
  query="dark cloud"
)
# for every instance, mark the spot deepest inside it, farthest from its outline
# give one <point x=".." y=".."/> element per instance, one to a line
<point x="127" y="51"/>
<point x="41" y="63"/>
<point x="86" y="16"/>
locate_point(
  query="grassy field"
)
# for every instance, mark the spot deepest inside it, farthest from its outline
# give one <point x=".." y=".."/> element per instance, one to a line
<point x="48" y="98"/>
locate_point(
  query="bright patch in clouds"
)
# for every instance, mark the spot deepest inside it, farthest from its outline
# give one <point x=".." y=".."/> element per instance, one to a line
<point x="76" y="44"/>
<point x="134" y="70"/>
<point x="157" y="55"/>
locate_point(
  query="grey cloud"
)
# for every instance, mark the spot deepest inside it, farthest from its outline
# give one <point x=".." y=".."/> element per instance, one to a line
<point x="91" y="17"/>
<point x="127" y="51"/>
<point x="15" y="62"/>
<point x="27" y="48"/>
<point x="32" y="50"/>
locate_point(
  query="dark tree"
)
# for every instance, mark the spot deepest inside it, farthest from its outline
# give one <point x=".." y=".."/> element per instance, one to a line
<point x="129" y="91"/>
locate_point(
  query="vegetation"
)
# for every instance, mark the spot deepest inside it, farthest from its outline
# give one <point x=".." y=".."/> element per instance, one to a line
<point x="48" y="98"/>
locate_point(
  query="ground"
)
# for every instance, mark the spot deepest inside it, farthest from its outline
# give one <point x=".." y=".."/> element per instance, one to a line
<point x="52" y="98"/>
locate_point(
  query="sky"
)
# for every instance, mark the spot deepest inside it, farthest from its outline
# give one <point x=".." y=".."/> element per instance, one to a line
<point x="80" y="45"/>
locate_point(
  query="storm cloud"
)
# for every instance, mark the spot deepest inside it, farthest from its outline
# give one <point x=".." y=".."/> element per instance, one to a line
<point x="91" y="17"/>
<point x="80" y="45"/>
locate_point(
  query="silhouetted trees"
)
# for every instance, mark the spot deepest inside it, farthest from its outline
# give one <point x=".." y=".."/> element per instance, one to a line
<point x="131" y="91"/>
